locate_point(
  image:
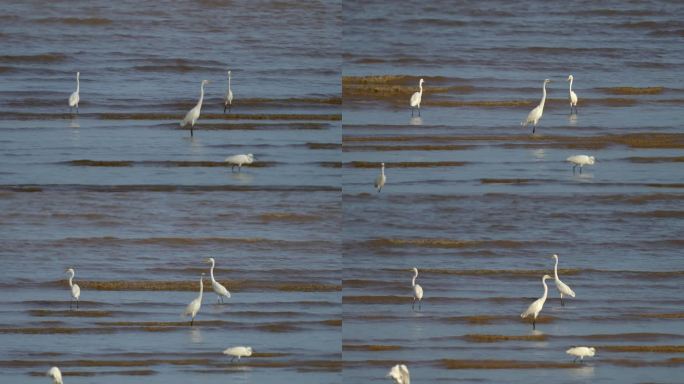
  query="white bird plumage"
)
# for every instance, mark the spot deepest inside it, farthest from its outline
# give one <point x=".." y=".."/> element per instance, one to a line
<point x="228" y="99"/>
<point x="581" y="352"/>
<point x="572" y="96"/>
<point x="417" y="290"/>
<point x="75" y="289"/>
<point x="193" y="308"/>
<point x="537" y="305"/>
<point x="194" y="114"/>
<point x="416" y="98"/>
<point x="75" y="97"/>
<point x="381" y="179"/>
<point x="400" y="374"/>
<point x="581" y="161"/>
<point x="536" y="114"/>
<point x="239" y="161"/>
<point x="563" y="288"/>
<point x="56" y="375"/>
<point x="238" y="352"/>
<point x="219" y="289"/>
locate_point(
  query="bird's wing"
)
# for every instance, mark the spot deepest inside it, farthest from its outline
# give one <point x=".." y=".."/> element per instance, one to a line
<point x="73" y="99"/>
<point x="76" y="291"/>
<point x="418" y="291"/>
<point x="395" y="374"/>
<point x="531" y="309"/>
<point x="191" y="307"/>
<point x="415" y="99"/>
<point x="220" y="289"/>
<point x="378" y="181"/>
<point x="564" y="289"/>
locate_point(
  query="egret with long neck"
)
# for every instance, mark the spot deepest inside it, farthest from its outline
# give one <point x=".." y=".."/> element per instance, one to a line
<point x="228" y="99"/>
<point x="75" y="289"/>
<point x="74" y="98"/>
<point x="194" y="114"/>
<point x="193" y="308"/>
<point x="219" y="289"/>
<point x="416" y="98"/>
<point x="572" y="95"/>
<point x="535" y="115"/>
<point x="381" y="179"/>
<point x="417" y="290"/>
<point x="536" y="307"/>
<point x="563" y="288"/>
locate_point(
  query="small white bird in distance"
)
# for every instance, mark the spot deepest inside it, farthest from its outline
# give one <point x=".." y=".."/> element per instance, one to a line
<point x="536" y="114"/>
<point x="56" y="375"/>
<point x="74" y="97"/>
<point x="417" y="291"/>
<point x="400" y="374"/>
<point x="381" y="179"/>
<point x="580" y="160"/>
<point x="228" y="99"/>
<point x="75" y="289"/>
<point x="416" y="98"/>
<point x="194" y="114"/>
<point x="193" y="308"/>
<point x="219" y="289"/>
<point x="238" y="352"/>
<point x="537" y="305"/>
<point x="572" y="96"/>
<point x="239" y="161"/>
<point x="581" y="352"/>
<point x="563" y="288"/>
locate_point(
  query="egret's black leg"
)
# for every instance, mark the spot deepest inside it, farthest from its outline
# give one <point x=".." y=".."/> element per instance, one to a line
<point x="534" y="324"/>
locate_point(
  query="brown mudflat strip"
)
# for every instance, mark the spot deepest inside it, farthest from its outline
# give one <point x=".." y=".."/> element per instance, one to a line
<point x="504" y="364"/>
<point x="123" y="372"/>
<point x="123" y="285"/>
<point x="633" y="90"/>
<point x="443" y="243"/>
<point x="660" y="159"/>
<point x="406" y="164"/>
<point x="387" y="148"/>
<point x="79" y="313"/>
<point x="643" y="348"/>
<point x="479" y="338"/>
<point x="370" y="347"/>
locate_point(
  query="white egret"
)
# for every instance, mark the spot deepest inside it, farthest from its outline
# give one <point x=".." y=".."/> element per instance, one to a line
<point x="381" y="179"/>
<point x="74" y="97"/>
<point x="56" y="375"/>
<point x="194" y="306"/>
<point x="572" y="96"/>
<point x="220" y="290"/>
<point x="400" y="374"/>
<point x="238" y="352"/>
<point x="416" y="97"/>
<point x="563" y="288"/>
<point x="194" y="114"/>
<point x="228" y="99"/>
<point x="239" y="161"/>
<point x="581" y="161"/>
<point x="537" y="305"/>
<point x="417" y="290"/>
<point x="75" y="289"/>
<point x="581" y="352"/>
<point x="535" y="115"/>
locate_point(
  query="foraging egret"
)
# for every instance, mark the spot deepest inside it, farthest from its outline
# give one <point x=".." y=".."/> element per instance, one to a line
<point x="220" y="290"/>
<point x="238" y="352"/>
<point x="581" y="352"/>
<point x="56" y="375"/>
<point x="562" y="287"/>
<point x="400" y="374"/>
<point x="75" y="289"/>
<point x="537" y="305"/>
<point x="572" y="96"/>
<point x="228" y="99"/>
<point x="417" y="290"/>
<point x="74" y="97"/>
<point x="535" y="115"/>
<point x="239" y="160"/>
<point x="580" y="160"/>
<point x="194" y="114"/>
<point x="416" y="97"/>
<point x="381" y="179"/>
<point x="194" y="306"/>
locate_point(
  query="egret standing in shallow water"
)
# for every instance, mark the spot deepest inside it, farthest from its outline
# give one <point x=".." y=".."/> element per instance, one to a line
<point x="194" y="114"/>
<point x="74" y="97"/>
<point x="228" y="99"/>
<point x="56" y="375"/>
<point x="381" y="179"/>
<point x="75" y="289"/>
<point x="563" y="288"/>
<point x="535" y="115"/>
<point x="537" y="305"/>
<point x="193" y="308"/>
<point x="581" y="352"/>
<point x="239" y="161"/>
<point x="220" y="290"/>
<point x="417" y="290"/>
<point x="572" y="96"/>
<point x="416" y="97"/>
<point x="400" y="374"/>
<point x="580" y="160"/>
<point x="238" y="352"/>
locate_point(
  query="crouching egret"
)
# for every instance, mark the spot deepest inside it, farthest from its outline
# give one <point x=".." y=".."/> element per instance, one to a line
<point x="417" y="290"/>
<point x="220" y="290"/>
<point x="74" y="97"/>
<point x="581" y="161"/>
<point x="239" y="161"/>
<point x="563" y="288"/>
<point x="572" y="96"/>
<point x="400" y="374"/>
<point x="56" y="375"/>
<point x="194" y="114"/>
<point x="581" y="352"/>
<point x="536" y="307"/>
<point x="381" y="179"/>
<point x="193" y="308"/>
<point x="416" y="97"/>
<point x="535" y="115"/>
<point x="238" y="352"/>
<point x="228" y="99"/>
<point x="75" y="289"/>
